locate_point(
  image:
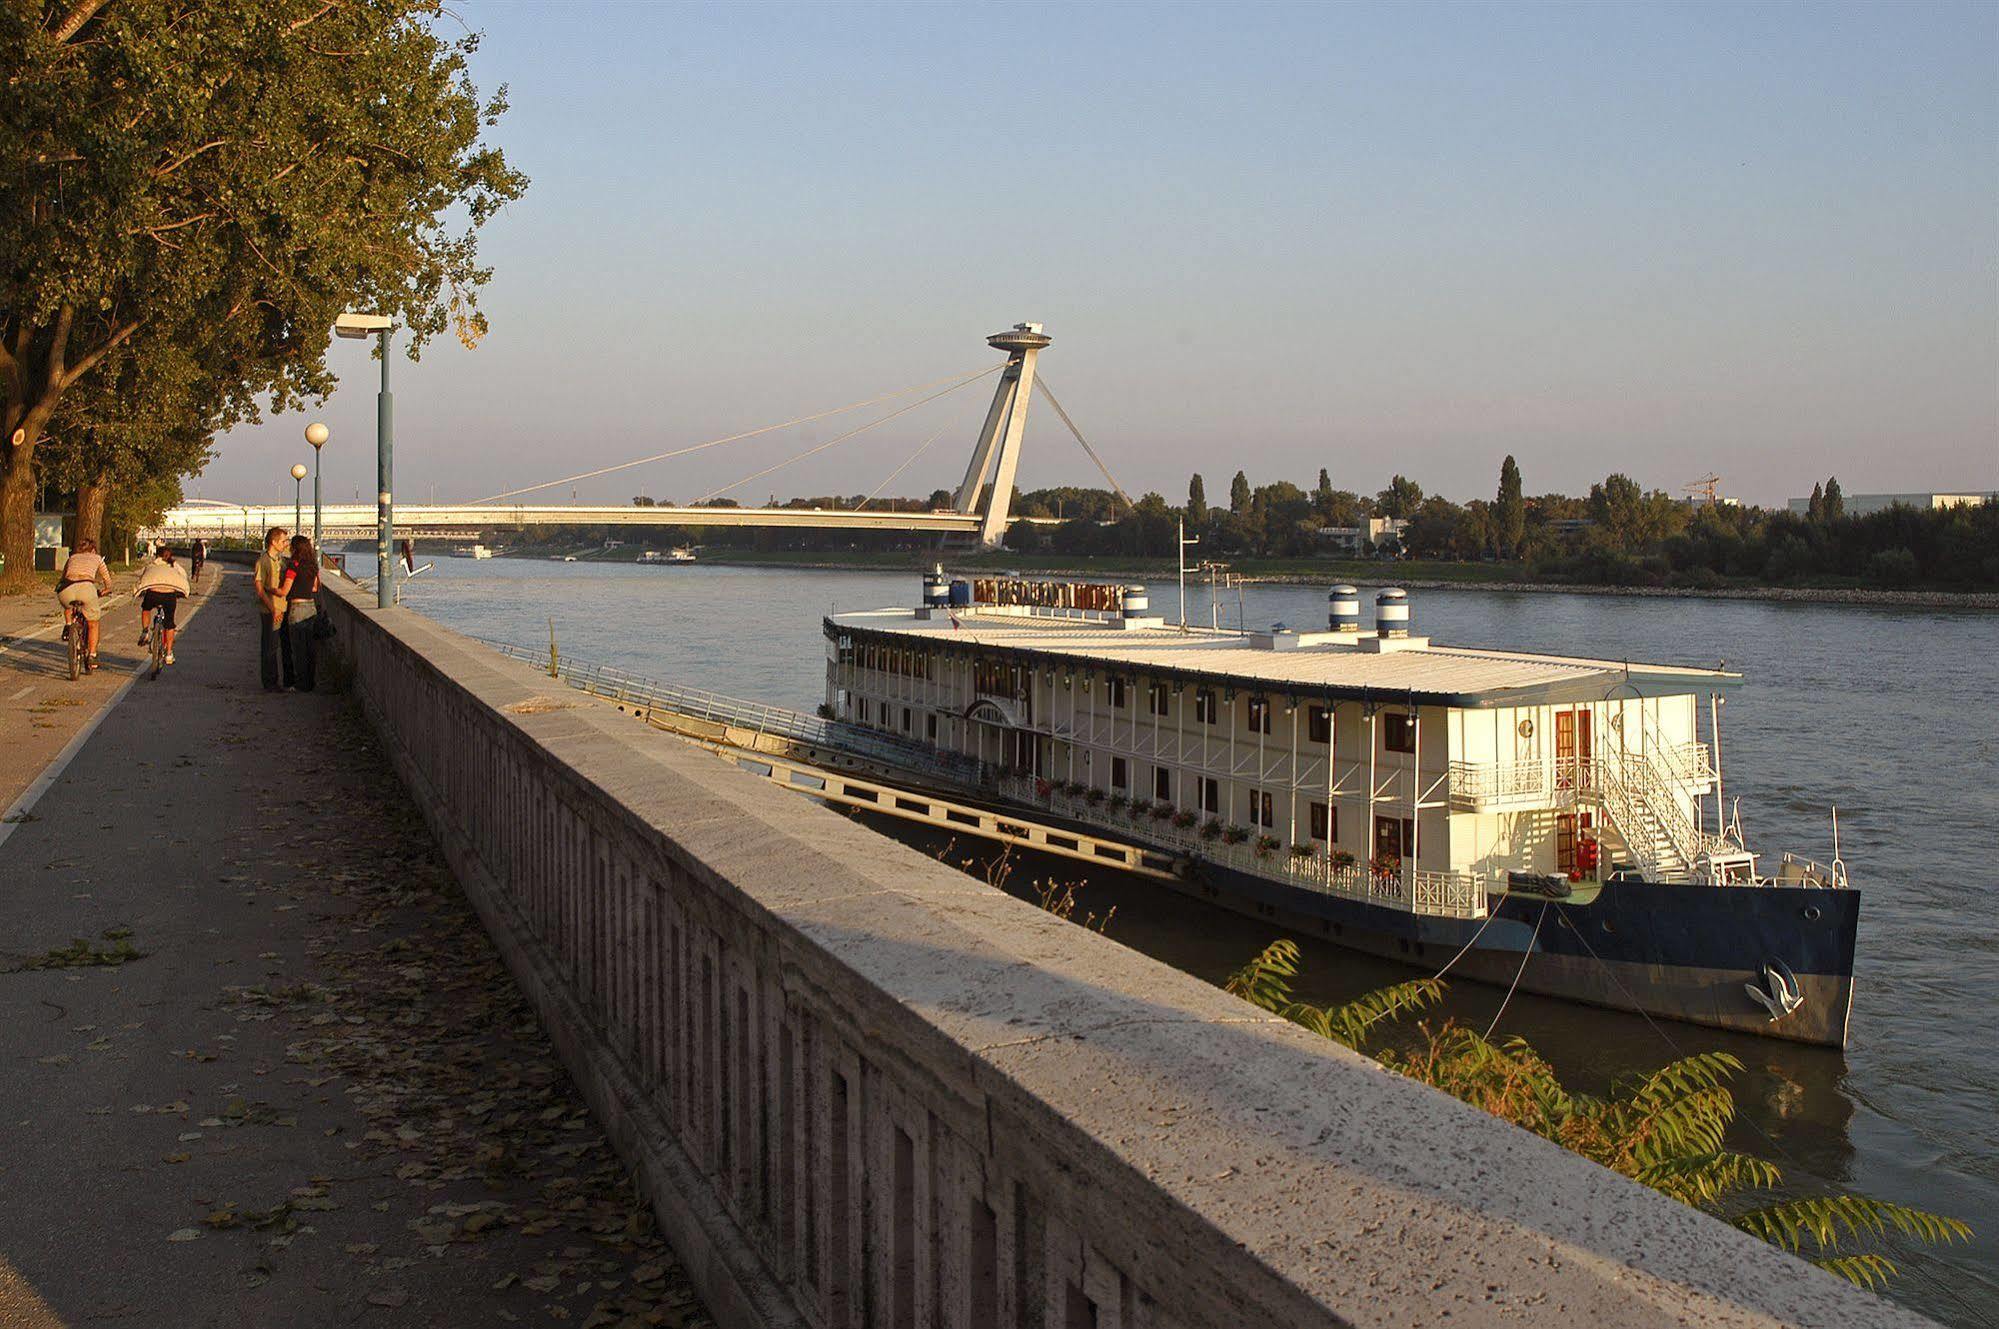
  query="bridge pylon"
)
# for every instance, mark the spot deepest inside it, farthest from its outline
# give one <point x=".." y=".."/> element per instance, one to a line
<point x="997" y="455"/>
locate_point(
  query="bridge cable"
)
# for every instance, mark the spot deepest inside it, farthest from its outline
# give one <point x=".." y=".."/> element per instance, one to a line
<point x="712" y="443"/>
<point x="921" y="449"/>
<point x="842" y="438"/>
<point x="1049" y="393"/>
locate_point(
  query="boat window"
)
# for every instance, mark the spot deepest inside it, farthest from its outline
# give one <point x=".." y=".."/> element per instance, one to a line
<point x="1204" y="705"/>
<point x="1117" y="693"/>
<point x="1393" y="836"/>
<point x="905" y="719"/>
<point x="1157" y="695"/>
<point x="1259" y="715"/>
<point x="1260" y="808"/>
<point x="1162" y="784"/>
<point x="1398" y="732"/>
<point x="1211" y="796"/>
<point x="1325" y="822"/>
<point x="930" y="727"/>
<point x="1120" y="773"/>
<point x="1319" y="725"/>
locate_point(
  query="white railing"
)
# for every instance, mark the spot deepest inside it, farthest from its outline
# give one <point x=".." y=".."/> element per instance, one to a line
<point x="1642" y="800"/>
<point x="1449" y="894"/>
<point x="1474" y="782"/>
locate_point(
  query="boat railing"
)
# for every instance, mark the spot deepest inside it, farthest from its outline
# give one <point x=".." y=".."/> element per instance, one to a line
<point x="1447" y="894"/>
<point x="1477" y="782"/>
<point x="618" y="685"/>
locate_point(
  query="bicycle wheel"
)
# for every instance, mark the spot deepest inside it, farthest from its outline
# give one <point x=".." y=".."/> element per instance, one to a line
<point x="159" y="633"/>
<point x="76" y="635"/>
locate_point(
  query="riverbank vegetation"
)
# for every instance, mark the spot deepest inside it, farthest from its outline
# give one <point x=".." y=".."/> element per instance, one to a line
<point x="1619" y="534"/>
<point x="1666" y="1130"/>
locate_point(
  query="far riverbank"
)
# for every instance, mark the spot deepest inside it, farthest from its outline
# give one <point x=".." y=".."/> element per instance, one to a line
<point x="1301" y="572"/>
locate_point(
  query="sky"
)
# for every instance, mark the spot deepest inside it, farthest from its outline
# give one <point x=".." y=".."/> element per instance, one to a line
<point x="1760" y="240"/>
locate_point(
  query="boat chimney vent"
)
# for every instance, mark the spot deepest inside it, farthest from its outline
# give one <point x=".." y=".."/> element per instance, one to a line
<point x="1343" y="614"/>
<point x="1391" y="612"/>
<point x="936" y="589"/>
<point x="1135" y="603"/>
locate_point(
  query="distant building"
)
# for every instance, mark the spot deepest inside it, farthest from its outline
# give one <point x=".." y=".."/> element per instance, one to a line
<point x="1373" y="531"/>
<point x="1860" y="504"/>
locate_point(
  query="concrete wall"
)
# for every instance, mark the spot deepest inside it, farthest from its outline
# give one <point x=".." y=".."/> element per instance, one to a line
<point x="862" y="1088"/>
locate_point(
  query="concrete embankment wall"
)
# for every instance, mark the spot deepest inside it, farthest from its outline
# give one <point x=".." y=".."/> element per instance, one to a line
<point x="862" y="1088"/>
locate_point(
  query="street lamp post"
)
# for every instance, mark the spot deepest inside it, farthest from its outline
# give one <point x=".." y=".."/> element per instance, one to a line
<point x="315" y="434"/>
<point x="298" y="479"/>
<point x="379" y="325"/>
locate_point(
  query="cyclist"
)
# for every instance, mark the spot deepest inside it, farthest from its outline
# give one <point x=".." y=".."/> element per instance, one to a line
<point x="197" y="556"/>
<point x="161" y="585"/>
<point x="84" y="579"/>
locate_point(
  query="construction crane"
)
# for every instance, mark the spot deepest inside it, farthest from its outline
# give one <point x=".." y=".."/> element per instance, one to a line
<point x="1707" y="487"/>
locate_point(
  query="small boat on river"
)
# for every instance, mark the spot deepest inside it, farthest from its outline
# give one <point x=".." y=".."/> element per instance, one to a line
<point x="677" y="557"/>
<point x="1549" y="823"/>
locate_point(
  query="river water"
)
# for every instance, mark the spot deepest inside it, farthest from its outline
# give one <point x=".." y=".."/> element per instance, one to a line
<point x="1887" y="712"/>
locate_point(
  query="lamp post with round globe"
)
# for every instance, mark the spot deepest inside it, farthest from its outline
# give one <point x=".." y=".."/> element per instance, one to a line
<point x="316" y="434"/>
<point x="298" y="479"/>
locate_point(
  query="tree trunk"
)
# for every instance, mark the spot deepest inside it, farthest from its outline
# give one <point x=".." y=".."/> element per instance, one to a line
<point x="17" y="512"/>
<point x="90" y="511"/>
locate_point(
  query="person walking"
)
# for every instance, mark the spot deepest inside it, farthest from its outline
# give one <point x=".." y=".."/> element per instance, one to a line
<point x="301" y="599"/>
<point x="270" y="622"/>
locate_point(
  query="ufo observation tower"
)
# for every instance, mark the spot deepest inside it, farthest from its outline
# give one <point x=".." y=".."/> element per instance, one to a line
<point x="997" y="455"/>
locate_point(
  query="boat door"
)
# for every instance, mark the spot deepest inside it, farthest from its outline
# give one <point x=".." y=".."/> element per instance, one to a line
<point x="1574" y="748"/>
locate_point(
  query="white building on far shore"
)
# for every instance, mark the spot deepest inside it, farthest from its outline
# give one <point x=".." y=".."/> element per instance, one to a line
<point x="1860" y="504"/>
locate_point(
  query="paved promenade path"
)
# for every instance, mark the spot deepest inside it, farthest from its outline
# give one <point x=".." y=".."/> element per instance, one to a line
<point x="259" y="1064"/>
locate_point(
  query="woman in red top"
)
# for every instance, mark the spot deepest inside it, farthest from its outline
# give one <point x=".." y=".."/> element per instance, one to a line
<point x="300" y="595"/>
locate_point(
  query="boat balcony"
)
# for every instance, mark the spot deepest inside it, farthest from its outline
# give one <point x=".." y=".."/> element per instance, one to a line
<point x="1485" y="786"/>
<point x="1439" y="894"/>
<point x="1488" y="786"/>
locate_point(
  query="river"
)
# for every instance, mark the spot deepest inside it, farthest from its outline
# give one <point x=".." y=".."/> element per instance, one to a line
<point x="1886" y="712"/>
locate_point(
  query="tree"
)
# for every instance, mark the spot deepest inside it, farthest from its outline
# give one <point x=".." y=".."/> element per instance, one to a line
<point x="1509" y="511"/>
<point x="1815" y="507"/>
<point x="213" y="184"/>
<point x="1322" y="493"/>
<point x="1197" y="503"/>
<point x="941" y="500"/>
<point x="1401" y="499"/>
<point x="1239" y="494"/>
<point x="1835" y="500"/>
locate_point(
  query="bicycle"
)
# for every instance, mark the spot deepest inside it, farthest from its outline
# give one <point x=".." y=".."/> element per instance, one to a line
<point x="76" y="637"/>
<point x="156" y="634"/>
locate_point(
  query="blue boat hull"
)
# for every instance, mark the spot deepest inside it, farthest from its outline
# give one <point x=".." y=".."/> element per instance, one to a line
<point x="1679" y="952"/>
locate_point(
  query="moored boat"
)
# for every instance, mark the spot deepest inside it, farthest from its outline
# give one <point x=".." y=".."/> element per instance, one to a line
<point x="1554" y="823"/>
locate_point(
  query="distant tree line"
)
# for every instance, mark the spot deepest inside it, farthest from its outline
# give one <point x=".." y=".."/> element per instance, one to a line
<point x="1618" y="534"/>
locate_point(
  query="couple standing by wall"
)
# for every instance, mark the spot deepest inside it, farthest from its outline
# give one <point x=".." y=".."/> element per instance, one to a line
<point x="288" y="624"/>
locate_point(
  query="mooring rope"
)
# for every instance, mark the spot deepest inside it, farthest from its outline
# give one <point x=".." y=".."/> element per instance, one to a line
<point x="1538" y="919"/>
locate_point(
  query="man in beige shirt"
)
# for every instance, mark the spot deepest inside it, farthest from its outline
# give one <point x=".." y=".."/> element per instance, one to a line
<point x="273" y="658"/>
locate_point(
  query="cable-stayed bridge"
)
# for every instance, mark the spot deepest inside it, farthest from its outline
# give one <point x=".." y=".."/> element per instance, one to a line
<point x="979" y="510"/>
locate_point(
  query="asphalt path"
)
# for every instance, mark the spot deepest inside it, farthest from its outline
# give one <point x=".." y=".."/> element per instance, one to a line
<point x="258" y="1063"/>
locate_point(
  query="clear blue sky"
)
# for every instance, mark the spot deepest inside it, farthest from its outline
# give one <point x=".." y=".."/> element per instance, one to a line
<point x="1756" y="239"/>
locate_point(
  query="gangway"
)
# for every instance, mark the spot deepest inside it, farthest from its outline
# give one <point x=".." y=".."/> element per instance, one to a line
<point x="839" y="764"/>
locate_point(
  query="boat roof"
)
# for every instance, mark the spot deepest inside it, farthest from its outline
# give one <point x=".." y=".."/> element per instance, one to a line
<point x="1458" y="676"/>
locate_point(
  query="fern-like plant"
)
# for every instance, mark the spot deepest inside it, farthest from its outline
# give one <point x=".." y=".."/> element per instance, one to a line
<point x="1666" y="1130"/>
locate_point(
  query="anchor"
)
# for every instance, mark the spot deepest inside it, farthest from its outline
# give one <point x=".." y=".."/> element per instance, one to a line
<point x="1779" y="994"/>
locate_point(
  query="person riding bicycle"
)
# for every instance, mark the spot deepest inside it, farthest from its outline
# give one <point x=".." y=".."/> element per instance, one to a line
<point x="196" y="557"/>
<point x="84" y="579"/>
<point x="161" y="585"/>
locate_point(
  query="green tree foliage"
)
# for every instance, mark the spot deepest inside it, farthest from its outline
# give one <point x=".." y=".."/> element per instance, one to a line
<point x="1509" y="511"/>
<point x="1197" y="504"/>
<point x="1834" y="499"/>
<point x="1815" y="506"/>
<point x="1401" y="499"/>
<point x="1666" y="1130"/>
<point x="205" y="187"/>
<point x="1239" y="494"/>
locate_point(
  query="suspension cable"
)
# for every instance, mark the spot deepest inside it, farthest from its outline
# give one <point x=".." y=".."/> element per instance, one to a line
<point x="921" y="448"/>
<point x="1049" y="393"/>
<point x="842" y="438"/>
<point x="715" y="442"/>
